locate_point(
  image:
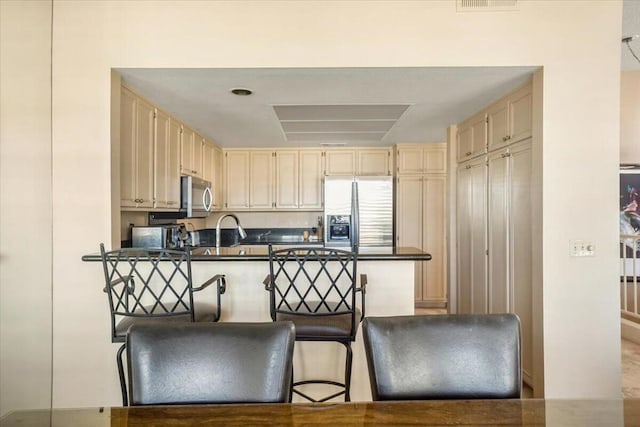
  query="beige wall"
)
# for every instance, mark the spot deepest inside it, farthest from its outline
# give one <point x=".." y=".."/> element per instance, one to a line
<point x="630" y="117"/>
<point x="25" y="205"/>
<point x="580" y="319"/>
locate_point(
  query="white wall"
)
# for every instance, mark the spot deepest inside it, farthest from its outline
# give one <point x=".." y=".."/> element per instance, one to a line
<point x="630" y="117"/>
<point x="579" y="177"/>
<point x="25" y="205"/>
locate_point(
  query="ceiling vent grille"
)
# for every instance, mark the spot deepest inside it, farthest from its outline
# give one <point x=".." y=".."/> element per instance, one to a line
<point x="488" y="5"/>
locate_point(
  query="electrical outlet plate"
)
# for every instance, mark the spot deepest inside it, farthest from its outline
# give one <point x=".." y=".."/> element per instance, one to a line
<point x="580" y="248"/>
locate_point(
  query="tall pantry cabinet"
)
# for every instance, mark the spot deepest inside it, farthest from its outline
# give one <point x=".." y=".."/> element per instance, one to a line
<point x="494" y="219"/>
<point x="421" y="216"/>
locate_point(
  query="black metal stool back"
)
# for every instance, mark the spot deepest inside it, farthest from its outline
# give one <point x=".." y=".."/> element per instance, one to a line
<point x="315" y="288"/>
<point x="147" y="286"/>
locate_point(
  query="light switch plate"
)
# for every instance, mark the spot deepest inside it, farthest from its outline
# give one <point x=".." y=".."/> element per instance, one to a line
<point x="579" y="248"/>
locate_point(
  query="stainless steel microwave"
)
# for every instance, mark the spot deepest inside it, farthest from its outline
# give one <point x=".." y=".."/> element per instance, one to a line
<point x="196" y="197"/>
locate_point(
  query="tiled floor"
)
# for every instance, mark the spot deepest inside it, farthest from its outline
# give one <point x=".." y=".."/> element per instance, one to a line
<point x="630" y="361"/>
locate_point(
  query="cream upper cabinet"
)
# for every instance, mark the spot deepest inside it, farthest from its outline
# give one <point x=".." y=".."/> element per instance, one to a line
<point x="212" y="171"/>
<point x="236" y="168"/>
<point x="261" y="179"/>
<point x="286" y="170"/>
<point x="167" y="162"/>
<point x="509" y="119"/>
<point x="414" y="159"/>
<point x="310" y="179"/>
<point x="472" y="137"/>
<point x="136" y="151"/>
<point x="373" y="161"/>
<point x="216" y="184"/>
<point x="191" y="152"/>
<point x="340" y="162"/>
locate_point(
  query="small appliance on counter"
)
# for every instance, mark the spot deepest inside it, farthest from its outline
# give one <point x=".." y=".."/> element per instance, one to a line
<point x="157" y="237"/>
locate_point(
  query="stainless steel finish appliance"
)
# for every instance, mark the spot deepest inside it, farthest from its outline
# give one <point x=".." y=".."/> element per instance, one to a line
<point x="156" y="237"/>
<point x="196" y="197"/>
<point x="339" y="228"/>
<point x="367" y="203"/>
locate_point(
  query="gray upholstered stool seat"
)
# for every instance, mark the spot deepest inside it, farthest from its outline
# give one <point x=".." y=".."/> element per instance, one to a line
<point x="443" y="356"/>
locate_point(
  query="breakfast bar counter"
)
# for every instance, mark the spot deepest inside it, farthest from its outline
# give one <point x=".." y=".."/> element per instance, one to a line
<point x="390" y="291"/>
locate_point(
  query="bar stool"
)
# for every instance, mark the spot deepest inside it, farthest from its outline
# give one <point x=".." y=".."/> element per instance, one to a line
<point x="315" y="288"/>
<point x="150" y="286"/>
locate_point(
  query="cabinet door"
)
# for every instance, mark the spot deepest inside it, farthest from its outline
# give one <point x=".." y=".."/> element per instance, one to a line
<point x="287" y="179"/>
<point x="128" y="104"/>
<point x="208" y="161"/>
<point x="520" y="248"/>
<point x="340" y="162"/>
<point x="498" y="232"/>
<point x="471" y="237"/>
<point x="498" y="125"/>
<point x="144" y="154"/>
<point x="409" y="221"/>
<point x="310" y="182"/>
<point x="478" y="232"/>
<point x="434" y="239"/>
<point x="161" y="160"/>
<point x="236" y="179"/>
<point x="410" y="160"/>
<point x="173" y="165"/>
<point x="186" y="155"/>
<point x="520" y="108"/>
<point x="216" y="184"/>
<point x="472" y="137"/>
<point x="261" y="180"/>
<point x="463" y="235"/>
<point x="374" y="162"/>
<point x="435" y="158"/>
<point x="196" y="161"/>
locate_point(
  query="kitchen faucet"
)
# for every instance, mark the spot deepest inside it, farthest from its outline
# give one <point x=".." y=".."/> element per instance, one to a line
<point x="243" y="234"/>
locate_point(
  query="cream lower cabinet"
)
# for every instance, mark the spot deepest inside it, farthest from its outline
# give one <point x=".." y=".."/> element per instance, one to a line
<point x="471" y="241"/>
<point x="136" y="151"/>
<point x="421" y="223"/>
<point x="167" y="162"/>
<point x="509" y="240"/>
<point x="494" y="239"/>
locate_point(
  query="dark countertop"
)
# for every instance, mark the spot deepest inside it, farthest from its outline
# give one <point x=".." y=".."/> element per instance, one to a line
<point x="261" y="253"/>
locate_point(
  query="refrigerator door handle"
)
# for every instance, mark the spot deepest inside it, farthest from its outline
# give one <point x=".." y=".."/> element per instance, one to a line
<point x="355" y="216"/>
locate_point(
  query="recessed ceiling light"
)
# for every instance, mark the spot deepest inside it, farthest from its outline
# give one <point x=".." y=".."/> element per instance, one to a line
<point x="240" y="91"/>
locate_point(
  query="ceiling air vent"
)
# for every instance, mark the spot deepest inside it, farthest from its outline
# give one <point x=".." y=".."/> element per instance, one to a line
<point x="488" y="5"/>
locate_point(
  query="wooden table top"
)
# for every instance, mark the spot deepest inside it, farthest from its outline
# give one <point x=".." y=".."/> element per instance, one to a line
<point x="526" y="412"/>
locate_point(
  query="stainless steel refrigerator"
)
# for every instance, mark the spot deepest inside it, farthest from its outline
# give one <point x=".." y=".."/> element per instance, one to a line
<point x="358" y="211"/>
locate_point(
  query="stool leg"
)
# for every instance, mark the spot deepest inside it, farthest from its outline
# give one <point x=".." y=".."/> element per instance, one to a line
<point x="347" y="372"/>
<point x="123" y="384"/>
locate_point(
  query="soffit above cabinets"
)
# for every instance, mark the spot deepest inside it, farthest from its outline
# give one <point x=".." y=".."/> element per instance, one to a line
<point x="338" y="123"/>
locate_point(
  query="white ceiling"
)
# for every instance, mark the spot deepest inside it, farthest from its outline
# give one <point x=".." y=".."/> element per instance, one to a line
<point x="436" y="98"/>
<point x="351" y="106"/>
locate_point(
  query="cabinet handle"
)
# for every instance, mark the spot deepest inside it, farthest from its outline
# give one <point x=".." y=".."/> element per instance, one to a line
<point x="506" y="138"/>
<point x="468" y="167"/>
<point x="468" y="153"/>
